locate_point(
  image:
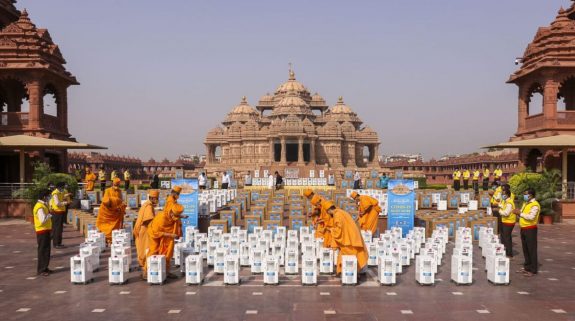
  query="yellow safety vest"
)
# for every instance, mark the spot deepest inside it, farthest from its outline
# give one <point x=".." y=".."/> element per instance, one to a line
<point x="53" y="206"/>
<point x="496" y="196"/>
<point x="102" y="175"/>
<point x="498" y="173"/>
<point x="456" y="175"/>
<point x="114" y="175"/>
<point x="126" y="176"/>
<point x="38" y="226"/>
<point x="512" y="218"/>
<point x="486" y="174"/>
<point x="476" y="175"/>
<point x="525" y="210"/>
<point x="466" y="174"/>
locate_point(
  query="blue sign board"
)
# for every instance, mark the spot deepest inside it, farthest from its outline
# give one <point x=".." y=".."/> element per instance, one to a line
<point x="189" y="200"/>
<point x="401" y="204"/>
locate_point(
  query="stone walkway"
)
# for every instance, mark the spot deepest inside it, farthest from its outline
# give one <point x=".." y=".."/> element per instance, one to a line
<point x="24" y="296"/>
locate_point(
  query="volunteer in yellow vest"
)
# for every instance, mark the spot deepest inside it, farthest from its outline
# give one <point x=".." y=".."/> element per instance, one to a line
<point x="89" y="179"/>
<point x="457" y="180"/>
<point x="346" y="236"/>
<point x="466" y="176"/>
<point x="528" y="219"/>
<point x="498" y="174"/>
<point x="43" y="228"/>
<point x="495" y="194"/>
<point x="369" y="210"/>
<point x="485" y="181"/>
<point x="508" y="219"/>
<point x="476" y="174"/>
<point x="112" y="210"/>
<point x="127" y="177"/>
<point x="58" y="210"/>
<point x="113" y="175"/>
<point x="102" y="179"/>
<point x="145" y="216"/>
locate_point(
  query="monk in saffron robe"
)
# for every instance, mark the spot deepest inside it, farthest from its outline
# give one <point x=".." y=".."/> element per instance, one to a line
<point x="145" y="216"/>
<point x="112" y="210"/>
<point x="323" y="222"/>
<point x="90" y="179"/>
<point x="369" y="210"/>
<point x="315" y="214"/>
<point x="162" y="232"/>
<point x="346" y="235"/>
<point x="173" y="199"/>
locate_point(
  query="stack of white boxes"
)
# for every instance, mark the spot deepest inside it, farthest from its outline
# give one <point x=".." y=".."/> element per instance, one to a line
<point x="156" y="265"/>
<point x="496" y="263"/>
<point x="462" y="258"/>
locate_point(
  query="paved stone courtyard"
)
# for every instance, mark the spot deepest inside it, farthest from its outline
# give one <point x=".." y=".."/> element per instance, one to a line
<point x="24" y="296"/>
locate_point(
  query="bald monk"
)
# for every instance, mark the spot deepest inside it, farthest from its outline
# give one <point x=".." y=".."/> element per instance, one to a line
<point x="369" y="210"/>
<point x="346" y="236"/>
<point x="112" y="210"/>
<point x="89" y="179"/>
<point x="173" y="199"/>
<point x="162" y="232"/>
<point x="145" y="216"/>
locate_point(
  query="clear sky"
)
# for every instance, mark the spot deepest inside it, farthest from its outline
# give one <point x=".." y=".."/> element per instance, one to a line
<point x="428" y="76"/>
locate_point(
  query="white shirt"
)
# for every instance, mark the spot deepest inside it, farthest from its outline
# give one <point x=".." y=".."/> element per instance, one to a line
<point x="532" y="213"/>
<point x="202" y="180"/>
<point x="225" y="179"/>
<point x="43" y="217"/>
<point x="357" y="177"/>
<point x="506" y="211"/>
<point x="271" y="181"/>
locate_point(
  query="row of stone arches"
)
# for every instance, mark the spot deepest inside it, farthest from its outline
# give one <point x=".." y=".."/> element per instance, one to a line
<point x="565" y="97"/>
<point x="15" y="98"/>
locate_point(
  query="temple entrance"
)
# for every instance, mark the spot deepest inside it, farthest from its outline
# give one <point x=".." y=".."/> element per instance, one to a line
<point x="277" y="152"/>
<point x="291" y="152"/>
<point x="306" y="153"/>
<point x="571" y="168"/>
<point x="10" y="169"/>
<point x="534" y="159"/>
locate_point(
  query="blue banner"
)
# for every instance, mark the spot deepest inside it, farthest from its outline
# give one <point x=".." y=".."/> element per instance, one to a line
<point x="401" y="205"/>
<point x="189" y="200"/>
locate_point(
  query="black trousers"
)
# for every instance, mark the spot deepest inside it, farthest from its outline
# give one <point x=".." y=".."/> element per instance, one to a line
<point x="485" y="184"/>
<point x="456" y="185"/>
<point x="43" y="251"/>
<point x="476" y="186"/>
<point x="529" y="243"/>
<point x="356" y="185"/>
<point x="102" y="186"/>
<point x="225" y="185"/>
<point x="465" y="184"/>
<point x="506" y="240"/>
<point x="57" y="228"/>
<point x="126" y="184"/>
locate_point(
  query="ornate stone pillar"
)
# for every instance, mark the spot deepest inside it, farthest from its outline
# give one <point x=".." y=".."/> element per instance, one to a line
<point x="272" y="153"/>
<point x="522" y="110"/>
<point x="550" y="92"/>
<point x="62" y="100"/>
<point x="312" y="151"/>
<point x="375" y="159"/>
<point x="36" y="104"/>
<point x="283" y="159"/>
<point x="300" y="160"/>
<point x="208" y="154"/>
<point x="351" y="161"/>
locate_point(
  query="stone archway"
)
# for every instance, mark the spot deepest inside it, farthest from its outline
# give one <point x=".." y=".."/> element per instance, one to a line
<point x="533" y="160"/>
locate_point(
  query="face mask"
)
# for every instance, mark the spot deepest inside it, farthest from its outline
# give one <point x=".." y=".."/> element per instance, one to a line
<point x="504" y="197"/>
<point x="526" y="198"/>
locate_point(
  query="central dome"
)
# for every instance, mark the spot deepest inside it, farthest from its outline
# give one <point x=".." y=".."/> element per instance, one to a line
<point x="292" y="85"/>
<point x="292" y="104"/>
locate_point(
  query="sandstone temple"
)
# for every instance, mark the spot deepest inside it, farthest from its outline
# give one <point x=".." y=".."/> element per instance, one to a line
<point x="292" y="129"/>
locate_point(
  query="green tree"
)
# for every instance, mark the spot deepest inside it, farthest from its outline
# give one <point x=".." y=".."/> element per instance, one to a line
<point x="42" y="177"/>
<point x="546" y="186"/>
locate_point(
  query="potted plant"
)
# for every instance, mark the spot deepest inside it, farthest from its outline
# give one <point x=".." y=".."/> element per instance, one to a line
<point x="545" y="185"/>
